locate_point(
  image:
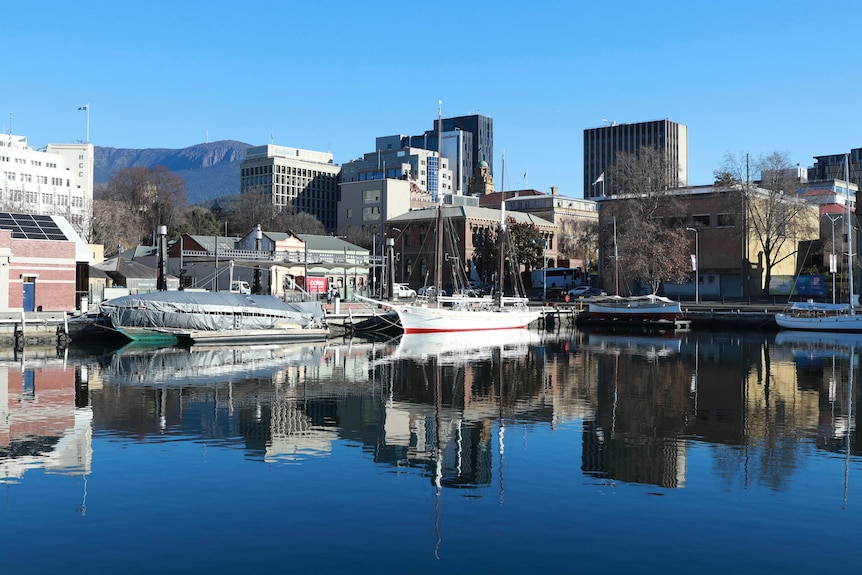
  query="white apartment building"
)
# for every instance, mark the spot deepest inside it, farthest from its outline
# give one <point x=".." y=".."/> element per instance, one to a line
<point x="54" y="181"/>
<point x="300" y="180"/>
<point x="414" y="165"/>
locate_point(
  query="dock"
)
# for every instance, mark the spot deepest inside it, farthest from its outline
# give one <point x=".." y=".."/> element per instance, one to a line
<point x="251" y="336"/>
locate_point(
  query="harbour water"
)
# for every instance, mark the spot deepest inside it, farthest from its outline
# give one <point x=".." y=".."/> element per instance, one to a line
<point x="567" y="452"/>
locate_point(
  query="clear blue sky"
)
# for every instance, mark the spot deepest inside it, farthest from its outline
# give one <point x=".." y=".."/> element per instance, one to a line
<point x="744" y="76"/>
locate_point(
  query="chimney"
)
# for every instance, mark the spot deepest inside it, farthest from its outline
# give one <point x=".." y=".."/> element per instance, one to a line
<point x="553" y="190"/>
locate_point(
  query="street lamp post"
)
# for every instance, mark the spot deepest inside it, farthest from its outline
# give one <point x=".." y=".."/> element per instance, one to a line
<point x="696" y="265"/>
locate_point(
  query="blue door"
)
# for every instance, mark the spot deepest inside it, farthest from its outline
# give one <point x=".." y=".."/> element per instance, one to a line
<point x="29" y="296"/>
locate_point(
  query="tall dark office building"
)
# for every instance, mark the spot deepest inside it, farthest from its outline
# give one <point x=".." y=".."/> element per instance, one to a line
<point x="601" y="146"/>
<point x="832" y="167"/>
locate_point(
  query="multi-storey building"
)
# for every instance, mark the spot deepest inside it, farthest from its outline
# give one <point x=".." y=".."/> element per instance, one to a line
<point x="601" y="146"/>
<point x="294" y="179"/>
<point x="467" y="141"/>
<point x="415" y="165"/>
<point x="54" y="181"/>
<point x="832" y="167"/>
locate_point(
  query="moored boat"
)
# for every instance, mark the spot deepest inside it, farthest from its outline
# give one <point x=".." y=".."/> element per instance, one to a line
<point x="167" y="315"/>
<point x="635" y="308"/>
<point x="815" y="316"/>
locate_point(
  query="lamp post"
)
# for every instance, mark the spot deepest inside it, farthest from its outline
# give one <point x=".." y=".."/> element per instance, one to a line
<point x="696" y="265"/>
<point x="258" y="236"/>
<point x="544" y="268"/>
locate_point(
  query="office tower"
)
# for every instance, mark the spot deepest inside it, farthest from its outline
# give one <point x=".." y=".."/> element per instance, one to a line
<point x="601" y="146"/>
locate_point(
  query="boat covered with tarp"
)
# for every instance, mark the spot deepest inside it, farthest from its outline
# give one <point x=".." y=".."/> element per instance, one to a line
<point x="147" y="315"/>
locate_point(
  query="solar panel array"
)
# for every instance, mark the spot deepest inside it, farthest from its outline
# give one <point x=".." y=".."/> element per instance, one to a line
<point x="31" y="227"/>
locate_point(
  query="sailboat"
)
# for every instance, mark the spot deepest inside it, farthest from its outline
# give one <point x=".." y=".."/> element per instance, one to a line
<point x="459" y="312"/>
<point x="813" y="316"/>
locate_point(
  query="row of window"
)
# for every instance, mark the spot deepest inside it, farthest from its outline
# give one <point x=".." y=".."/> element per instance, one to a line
<point x="705" y="220"/>
<point x="22" y="161"/>
<point x="28" y="179"/>
<point x="32" y="197"/>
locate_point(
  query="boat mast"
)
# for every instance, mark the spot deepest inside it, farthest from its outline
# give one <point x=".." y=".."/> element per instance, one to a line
<point x="502" y="247"/>
<point x="438" y="258"/>
<point x="849" y="231"/>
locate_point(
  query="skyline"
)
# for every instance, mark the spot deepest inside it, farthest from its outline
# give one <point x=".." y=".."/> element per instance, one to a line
<point x="753" y="77"/>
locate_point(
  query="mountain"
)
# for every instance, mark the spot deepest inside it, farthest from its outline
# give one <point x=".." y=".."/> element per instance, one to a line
<point x="210" y="170"/>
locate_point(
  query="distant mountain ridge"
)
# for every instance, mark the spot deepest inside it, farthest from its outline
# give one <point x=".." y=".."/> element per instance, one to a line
<point x="210" y="170"/>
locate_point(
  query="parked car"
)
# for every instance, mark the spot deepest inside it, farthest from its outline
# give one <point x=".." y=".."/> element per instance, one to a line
<point x="428" y="291"/>
<point x="403" y="290"/>
<point x="585" y="291"/>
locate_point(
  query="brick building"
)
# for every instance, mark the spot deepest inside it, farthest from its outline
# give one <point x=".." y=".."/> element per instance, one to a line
<point x="41" y="264"/>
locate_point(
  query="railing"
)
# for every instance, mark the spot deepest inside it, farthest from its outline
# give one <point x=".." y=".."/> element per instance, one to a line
<point x="288" y="257"/>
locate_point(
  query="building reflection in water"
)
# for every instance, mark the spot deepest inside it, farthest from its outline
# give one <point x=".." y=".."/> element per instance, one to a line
<point x="444" y="407"/>
<point x="45" y="421"/>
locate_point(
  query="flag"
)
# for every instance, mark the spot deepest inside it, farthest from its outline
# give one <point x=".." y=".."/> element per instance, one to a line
<point x="601" y="178"/>
<point x="85" y="107"/>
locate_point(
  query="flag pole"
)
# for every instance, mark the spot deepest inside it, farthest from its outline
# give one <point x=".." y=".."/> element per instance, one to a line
<point x="86" y="107"/>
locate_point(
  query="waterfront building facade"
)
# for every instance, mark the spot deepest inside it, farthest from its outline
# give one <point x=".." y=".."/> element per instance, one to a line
<point x="43" y="263"/>
<point x="414" y="234"/>
<point x="54" y="181"/>
<point x="602" y="144"/>
<point x="294" y="179"/>
<point x="731" y="264"/>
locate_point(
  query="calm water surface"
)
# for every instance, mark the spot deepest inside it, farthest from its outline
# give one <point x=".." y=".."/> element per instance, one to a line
<point x="568" y="452"/>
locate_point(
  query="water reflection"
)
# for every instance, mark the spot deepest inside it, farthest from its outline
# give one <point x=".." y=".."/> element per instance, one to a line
<point x="444" y="407"/>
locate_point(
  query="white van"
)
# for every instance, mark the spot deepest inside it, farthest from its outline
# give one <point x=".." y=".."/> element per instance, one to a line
<point x="237" y="286"/>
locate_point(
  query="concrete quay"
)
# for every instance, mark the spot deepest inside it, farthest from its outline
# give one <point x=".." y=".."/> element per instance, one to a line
<point x="18" y="329"/>
<point x="705" y="315"/>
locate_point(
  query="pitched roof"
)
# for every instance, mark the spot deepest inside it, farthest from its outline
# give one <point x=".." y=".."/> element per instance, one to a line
<point x="471" y="213"/>
<point x="329" y="243"/>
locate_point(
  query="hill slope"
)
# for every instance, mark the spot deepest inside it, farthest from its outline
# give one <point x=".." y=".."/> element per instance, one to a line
<point x="210" y="170"/>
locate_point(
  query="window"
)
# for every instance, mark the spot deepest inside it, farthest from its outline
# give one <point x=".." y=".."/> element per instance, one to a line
<point x="700" y="220"/>
<point x="371" y="214"/>
<point x="370" y="196"/>
<point x="725" y="220"/>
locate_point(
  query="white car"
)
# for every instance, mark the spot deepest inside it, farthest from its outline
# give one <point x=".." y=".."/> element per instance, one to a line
<point x="585" y="291"/>
<point x="403" y="290"/>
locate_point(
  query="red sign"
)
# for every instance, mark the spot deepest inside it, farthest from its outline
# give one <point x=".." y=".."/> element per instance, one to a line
<point x="315" y="285"/>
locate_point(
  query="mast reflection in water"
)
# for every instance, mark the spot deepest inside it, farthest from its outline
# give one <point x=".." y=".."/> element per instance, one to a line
<point x="496" y="452"/>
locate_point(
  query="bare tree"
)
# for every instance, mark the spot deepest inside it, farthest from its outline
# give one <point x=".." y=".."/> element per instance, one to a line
<point x="114" y="224"/>
<point x="300" y="223"/>
<point x="253" y="208"/>
<point x="199" y="221"/>
<point x="579" y="238"/>
<point x="649" y="247"/>
<point x="777" y="218"/>
<point x="362" y="236"/>
<point x="156" y="195"/>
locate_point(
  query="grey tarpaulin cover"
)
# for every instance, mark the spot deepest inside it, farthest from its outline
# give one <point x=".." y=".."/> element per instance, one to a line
<point x="212" y="311"/>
